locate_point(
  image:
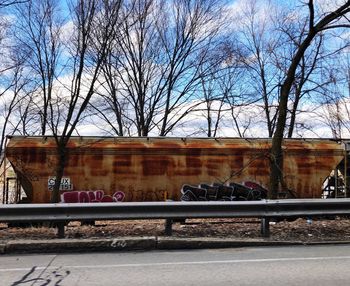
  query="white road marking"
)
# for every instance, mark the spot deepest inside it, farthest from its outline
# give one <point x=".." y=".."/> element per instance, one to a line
<point x="37" y="268"/>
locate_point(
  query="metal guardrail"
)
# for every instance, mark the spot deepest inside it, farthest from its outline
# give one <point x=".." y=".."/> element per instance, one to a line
<point x="62" y="213"/>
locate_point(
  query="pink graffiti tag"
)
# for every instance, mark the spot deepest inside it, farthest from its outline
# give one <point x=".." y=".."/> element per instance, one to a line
<point x="118" y="196"/>
<point x="91" y="197"/>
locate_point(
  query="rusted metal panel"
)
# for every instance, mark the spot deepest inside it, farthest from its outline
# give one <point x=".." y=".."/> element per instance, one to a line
<point x="152" y="169"/>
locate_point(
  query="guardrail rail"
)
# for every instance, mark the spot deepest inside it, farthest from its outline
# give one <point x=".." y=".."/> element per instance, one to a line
<point x="265" y="210"/>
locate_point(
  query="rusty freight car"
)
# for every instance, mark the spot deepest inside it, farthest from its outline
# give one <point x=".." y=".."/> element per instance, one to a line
<point x="155" y="169"/>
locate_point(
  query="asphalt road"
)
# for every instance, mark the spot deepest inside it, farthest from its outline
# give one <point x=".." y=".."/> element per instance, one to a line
<point x="294" y="265"/>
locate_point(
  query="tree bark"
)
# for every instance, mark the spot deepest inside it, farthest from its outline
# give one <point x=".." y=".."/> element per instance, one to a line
<point x="276" y="156"/>
<point x="62" y="159"/>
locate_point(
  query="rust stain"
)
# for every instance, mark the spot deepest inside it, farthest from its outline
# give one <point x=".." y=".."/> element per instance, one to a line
<point x="154" y="165"/>
<point x="147" y="168"/>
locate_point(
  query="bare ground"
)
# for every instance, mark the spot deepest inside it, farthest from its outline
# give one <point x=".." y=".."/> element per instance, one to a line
<point x="337" y="229"/>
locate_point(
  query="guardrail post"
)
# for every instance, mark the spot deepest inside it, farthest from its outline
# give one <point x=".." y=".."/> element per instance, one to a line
<point x="60" y="229"/>
<point x="265" y="227"/>
<point x="168" y="227"/>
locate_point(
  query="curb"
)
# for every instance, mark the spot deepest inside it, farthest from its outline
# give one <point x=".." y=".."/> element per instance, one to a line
<point x="78" y="245"/>
<point x="2" y="248"/>
<point x="140" y="243"/>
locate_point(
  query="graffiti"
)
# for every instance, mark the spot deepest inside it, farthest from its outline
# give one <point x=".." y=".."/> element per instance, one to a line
<point x="118" y="244"/>
<point x="248" y="191"/>
<point x="34" y="276"/>
<point x="119" y="196"/>
<point x="20" y="165"/>
<point x="91" y="197"/>
<point x="147" y="196"/>
<point x="257" y="187"/>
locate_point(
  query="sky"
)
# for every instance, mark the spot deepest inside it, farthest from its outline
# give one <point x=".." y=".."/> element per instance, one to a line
<point x="314" y="120"/>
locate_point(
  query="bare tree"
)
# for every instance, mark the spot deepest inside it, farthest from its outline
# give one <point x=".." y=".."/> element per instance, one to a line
<point x="153" y="72"/>
<point x="316" y="24"/>
<point x="197" y="24"/>
<point x="213" y="106"/>
<point x="94" y="28"/>
<point x="38" y="31"/>
<point x="309" y="81"/>
<point x="259" y="41"/>
<point x="6" y="3"/>
<point x="11" y="98"/>
<point x="12" y="81"/>
<point x="334" y="109"/>
<point x="222" y="91"/>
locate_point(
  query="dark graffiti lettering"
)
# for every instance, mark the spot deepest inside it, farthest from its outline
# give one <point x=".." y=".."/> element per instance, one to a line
<point x="249" y="191"/>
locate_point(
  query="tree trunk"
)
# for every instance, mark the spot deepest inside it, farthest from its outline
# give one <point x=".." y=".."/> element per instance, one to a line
<point x="294" y="112"/>
<point x="62" y="158"/>
<point x="276" y="155"/>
